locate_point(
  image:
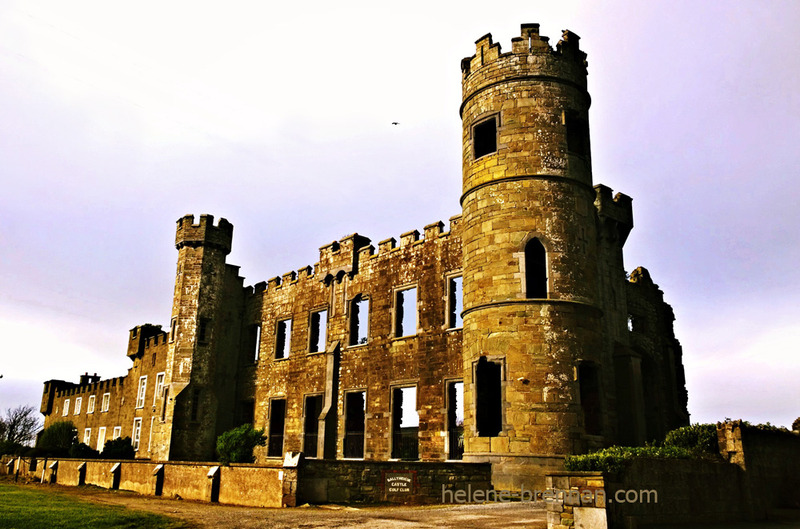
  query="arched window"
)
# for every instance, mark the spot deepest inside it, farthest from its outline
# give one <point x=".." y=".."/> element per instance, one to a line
<point x="535" y="269"/>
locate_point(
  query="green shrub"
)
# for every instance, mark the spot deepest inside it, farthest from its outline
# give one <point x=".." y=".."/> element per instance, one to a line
<point x="698" y="438"/>
<point x="83" y="451"/>
<point x="236" y="446"/>
<point x="615" y="458"/>
<point x="57" y="439"/>
<point x="119" y="448"/>
<point x="12" y="449"/>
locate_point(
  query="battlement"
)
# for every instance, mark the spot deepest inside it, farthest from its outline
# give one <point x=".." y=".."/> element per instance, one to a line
<point x="616" y="211"/>
<point x="144" y="336"/>
<point x="530" y="55"/>
<point x="205" y="233"/>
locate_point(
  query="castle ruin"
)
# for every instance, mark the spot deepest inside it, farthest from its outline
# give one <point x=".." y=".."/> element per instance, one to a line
<point x="514" y="336"/>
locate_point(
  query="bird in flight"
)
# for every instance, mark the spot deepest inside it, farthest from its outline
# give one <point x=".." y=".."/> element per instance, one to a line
<point x="395" y="123"/>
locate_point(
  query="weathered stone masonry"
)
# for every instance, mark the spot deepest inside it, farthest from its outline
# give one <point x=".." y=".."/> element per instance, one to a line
<point x="365" y="355"/>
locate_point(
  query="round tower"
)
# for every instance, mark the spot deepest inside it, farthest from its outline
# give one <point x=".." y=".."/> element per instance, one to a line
<point x="531" y="316"/>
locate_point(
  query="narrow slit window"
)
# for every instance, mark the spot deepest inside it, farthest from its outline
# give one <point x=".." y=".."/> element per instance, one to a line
<point x="454" y="302"/>
<point x="405" y="424"/>
<point x="195" y="411"/>
<point x="90" y="405"/>
<point x="173" y="329"/>
<point x="589" y="383"/>
<point x="65" y="411"/>
<point x="359" y="320"/>
<point x="140" y="393"/>
<point x="484" y="137"/>
<point x="318" y="327"/>
<point x="78" y="405"/>
<point x="405" y="312"/>
<point x="311" y="425"/>
<point x="354" y="424"/>
<point x="283" y="339"/>
<point x="106" y="402"/>
<point x="488" y="395"/>
<point x="136" y="434"/>
<point x="455" y="420"/>
<point x="277" y="421"/>
<point x="535" y="269"/>
<point x="203" y="330"/>
<point x="252" y="346"/>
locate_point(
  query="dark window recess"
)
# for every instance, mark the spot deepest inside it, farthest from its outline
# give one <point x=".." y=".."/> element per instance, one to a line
<point x="246" y="412"/>
<point x="195" y="405"/>
<point x="359" y="314"/>
<point x="455" y="420"/>
<point x="354" y="423"/>
<point x="590" y="398"/>
<point x="253" y="343"/>
<point x="172" y="329"/>
<point x="282" y="339"/>
<point x="154" y="356"/>
<point x="484" y="137"/>
<point x="405" y="424"/>
<point x="488" y="396"/>
<point x="535" y="269"/>
<point x="318" y="330"/>
<point x="454" y="303"/>
<point x="202" y="330"/>
<point x="406" y="312"/>
<point x="164" y="404"/>
<point x="577" y="133"/>
<point x="277" y="419"/>
<point x="311" y="429"/>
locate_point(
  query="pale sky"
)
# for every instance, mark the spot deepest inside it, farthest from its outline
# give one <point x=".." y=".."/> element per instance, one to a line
<point x="120" y="117"/>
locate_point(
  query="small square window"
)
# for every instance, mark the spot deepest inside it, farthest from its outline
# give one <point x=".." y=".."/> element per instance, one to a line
<point x="484" y="137"/>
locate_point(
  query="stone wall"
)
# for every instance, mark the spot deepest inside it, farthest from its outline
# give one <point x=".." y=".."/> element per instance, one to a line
<point x="322" y="481"/>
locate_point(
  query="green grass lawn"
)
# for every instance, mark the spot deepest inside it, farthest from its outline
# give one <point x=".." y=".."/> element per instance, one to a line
<point x="30" y="508"/>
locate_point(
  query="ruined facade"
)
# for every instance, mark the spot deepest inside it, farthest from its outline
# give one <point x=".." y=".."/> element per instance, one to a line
<point x="514" y="337"/>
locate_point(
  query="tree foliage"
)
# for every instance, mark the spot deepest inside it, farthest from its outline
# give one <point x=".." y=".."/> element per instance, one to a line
<point x="236" y="446"/>
<point x="83" y="451"/>
<point x="57" y="439"/>
<point x="796" y="425"/>
<point x="697" y="438"/>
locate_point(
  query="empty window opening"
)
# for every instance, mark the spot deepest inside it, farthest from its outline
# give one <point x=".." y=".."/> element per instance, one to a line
<point x="159" y="388"/>
<point x="164" y="404"/>
<point x="136" y="433"/>
<point x="203" y="330"/>
<point x="405" y="312"/>
<point x="252" y="345"/>
<point x="318" y="326"/>
<point x="455" y="420"/>
<point x="90" y="405"/>
<point x="355" y="403"/>
<point x="589" y="383"/>
<point x="173" y="329"/>
<point x="454" y="303"/>
<point x="106" y="402"/>
<point x="277" y="421"/>
<point x="195" y="412"/>
<point x="141" y="392"/>
<point x="488" y="398"/>
<point x="101" y="439"/>
<point x="311" y="425"/>
<point x="154" y="355"/>
<point x="484" y="137"/>
<point x="535" y="269"/>
<point x="405" y="423"/>
<point x="283" y="339"/>
<point x="359" y="320"/>
<point x="577" y="133"/>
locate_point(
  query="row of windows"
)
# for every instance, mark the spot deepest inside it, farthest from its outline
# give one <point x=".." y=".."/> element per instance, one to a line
<point x="89" y="406"/>
<point x="405" y="321"/>
<point x="101" y="436"/>
<point x="405" y="423"/>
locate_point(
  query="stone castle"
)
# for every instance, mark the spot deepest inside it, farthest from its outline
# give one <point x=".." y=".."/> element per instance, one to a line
<point x="513" y="337"/>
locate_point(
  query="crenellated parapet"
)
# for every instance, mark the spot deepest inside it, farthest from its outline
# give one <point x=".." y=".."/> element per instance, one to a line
<point x="615" y="213"/>
<point x="144" y="336"/>
<point x="204" y="233"/>
<point x="531" y="56"/>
